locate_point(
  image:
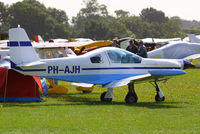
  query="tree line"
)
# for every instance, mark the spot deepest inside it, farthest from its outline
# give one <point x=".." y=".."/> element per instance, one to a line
<point x="92" y="21"/>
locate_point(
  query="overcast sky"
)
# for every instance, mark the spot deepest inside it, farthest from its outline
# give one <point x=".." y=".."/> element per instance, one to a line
<point x="186" y="9"/>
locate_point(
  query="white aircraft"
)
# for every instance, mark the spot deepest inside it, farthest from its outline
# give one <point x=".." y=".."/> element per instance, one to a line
<point x="193" y="38"/>
<point x="110" y="67"/>
<point x="177" y="50"/>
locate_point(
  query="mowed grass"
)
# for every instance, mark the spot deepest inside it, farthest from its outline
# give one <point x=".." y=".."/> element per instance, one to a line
<point x="79" y="113"/>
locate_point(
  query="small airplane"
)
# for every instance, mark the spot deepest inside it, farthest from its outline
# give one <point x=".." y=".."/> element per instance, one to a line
<point x="108" y="66"/>
<point x="177" y="50"/>
<point x="150" y="43"/>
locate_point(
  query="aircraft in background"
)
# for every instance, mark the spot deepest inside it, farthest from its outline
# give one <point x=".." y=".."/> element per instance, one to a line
<point x="177" y="50"/>
<point x="173" y="50"/>
<point x="150" y="43"/>
<point x="158" y="40"/>
<point x="193" y="38"/>
<point x="110" y="67"/>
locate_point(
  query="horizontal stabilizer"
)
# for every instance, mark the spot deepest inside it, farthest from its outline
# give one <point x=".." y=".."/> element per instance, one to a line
<point x="125" y="81"/>
<point x="36" y="63"/>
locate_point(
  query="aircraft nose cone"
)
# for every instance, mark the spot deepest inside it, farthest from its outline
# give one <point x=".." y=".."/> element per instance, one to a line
<point x="187" y="64"/>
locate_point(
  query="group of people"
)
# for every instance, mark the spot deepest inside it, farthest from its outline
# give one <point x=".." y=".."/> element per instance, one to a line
<point x="137" y="48"/>
<point x="134" y="47"/>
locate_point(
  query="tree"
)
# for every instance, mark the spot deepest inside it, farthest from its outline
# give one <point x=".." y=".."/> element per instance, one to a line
<point x="92" y="11"/>
<point x="133" y="24"/>
<point x="93" y="8"/>
<point x="171" y="29"/>
<point x="35" y="3"/>
<point x="152" y="15"/>
<point x="96" y="29"/>
<point x="121" y="13"/>
<point x="59" y="15"/>
<point x="35" y="21"/>
<point x="118" y="29"/>
<point x="3" y="16"/>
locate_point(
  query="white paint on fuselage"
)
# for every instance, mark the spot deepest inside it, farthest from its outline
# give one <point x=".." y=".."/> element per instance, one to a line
<point x="64" y="66"/>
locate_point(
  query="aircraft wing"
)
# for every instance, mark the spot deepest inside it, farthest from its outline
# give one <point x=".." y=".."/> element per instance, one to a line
<point x="125" y="81"/>
<point x="96" y="44"/>
<point x="73" y="44"/>
<point x="191" y="57"/>
<point x="82" y="84"/>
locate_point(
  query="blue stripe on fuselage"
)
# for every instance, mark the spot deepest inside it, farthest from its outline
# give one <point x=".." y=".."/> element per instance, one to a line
<point x="14" y="66"/>
<point x="21" y="43"/>
<point x="116" y="68"/>
<point x="93" y="79"/>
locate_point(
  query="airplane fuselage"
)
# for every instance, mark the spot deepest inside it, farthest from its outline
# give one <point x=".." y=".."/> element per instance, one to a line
<point x="83" y="69"/>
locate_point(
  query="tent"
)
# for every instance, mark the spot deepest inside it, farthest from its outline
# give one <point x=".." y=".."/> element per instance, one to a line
<point x="18" y="87"/>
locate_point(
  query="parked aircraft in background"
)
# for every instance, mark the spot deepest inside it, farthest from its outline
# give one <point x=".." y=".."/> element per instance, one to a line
<point x="177" y="50"/>
<point x="150" y="43"/>
<point x="158" y="40"/>
<point x="110" y="67"/>
<point x="193" y="38"/>
<point x="83" y="40"/>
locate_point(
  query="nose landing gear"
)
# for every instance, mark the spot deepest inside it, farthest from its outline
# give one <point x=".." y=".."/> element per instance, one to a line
<point x="159" y="96"/>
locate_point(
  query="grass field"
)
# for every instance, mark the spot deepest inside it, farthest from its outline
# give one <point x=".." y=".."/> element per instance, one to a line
<point x="79" y="113"/>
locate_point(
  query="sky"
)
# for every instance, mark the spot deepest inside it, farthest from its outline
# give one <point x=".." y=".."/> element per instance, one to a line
<point x="185" y="9"/>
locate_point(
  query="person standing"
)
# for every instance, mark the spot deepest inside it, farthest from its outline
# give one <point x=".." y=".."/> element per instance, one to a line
<point x="142" y="51"/>
<point x="115" y="43"/>
<point x="132" y="47"/>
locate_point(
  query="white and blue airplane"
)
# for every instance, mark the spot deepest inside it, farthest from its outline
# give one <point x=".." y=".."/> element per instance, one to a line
<point x="110" y="67"/>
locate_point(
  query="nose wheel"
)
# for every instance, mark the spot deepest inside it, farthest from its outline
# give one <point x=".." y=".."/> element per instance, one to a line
<point x="159" y="99"/>
<point x="131" y="97"/>
<point x="159" y="95"/>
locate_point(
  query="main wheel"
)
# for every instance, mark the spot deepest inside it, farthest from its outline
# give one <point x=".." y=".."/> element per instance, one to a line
<point x="131" y="98"/>
<point x="158" y="98"/>
<point x="103" y="99"/>
<point x="87" y="91"/>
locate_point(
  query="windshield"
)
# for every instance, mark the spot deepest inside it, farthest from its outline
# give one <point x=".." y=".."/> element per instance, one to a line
<point x="122" y="56"/>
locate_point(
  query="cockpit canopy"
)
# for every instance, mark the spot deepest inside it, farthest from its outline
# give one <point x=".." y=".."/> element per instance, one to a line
<point x="122" y="56"/>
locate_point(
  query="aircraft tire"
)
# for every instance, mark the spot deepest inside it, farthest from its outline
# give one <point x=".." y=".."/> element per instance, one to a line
<point x="131" y="98"/>
<point x="159" y="99"/>
<point x="87" y="92"/>
<point x="103" y="99"/>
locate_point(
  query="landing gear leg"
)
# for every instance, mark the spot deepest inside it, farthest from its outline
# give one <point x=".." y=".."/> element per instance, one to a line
<point x="131" y="97"/>
<point x="107" y="96"/>
<point x="159" y="96"/>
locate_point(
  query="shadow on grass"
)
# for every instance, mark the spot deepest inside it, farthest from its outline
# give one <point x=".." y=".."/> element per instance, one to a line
<point x="73" y="99"/>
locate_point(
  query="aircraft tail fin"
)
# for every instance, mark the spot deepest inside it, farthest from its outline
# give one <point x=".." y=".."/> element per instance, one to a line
<point x="21" y="49"/>
<point x="193" y="38"/>
<point x="38" y="39"/>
